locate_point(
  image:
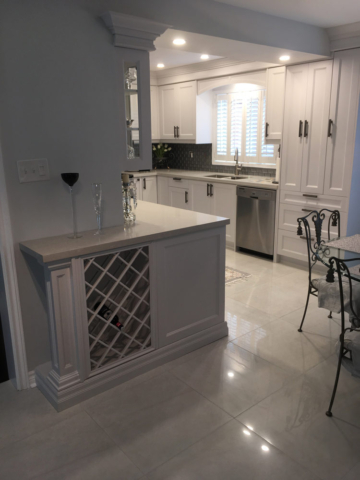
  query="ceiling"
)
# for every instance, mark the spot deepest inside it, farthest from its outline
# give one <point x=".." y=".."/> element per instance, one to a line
<point x="196" y="44"/>
<point x="322" y="13"/>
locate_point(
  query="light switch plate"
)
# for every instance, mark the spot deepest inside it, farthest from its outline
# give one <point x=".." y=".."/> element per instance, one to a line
<point x="33" y="170"/>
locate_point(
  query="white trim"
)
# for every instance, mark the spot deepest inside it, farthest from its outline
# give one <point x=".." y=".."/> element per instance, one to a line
<point x="11" y="286"/>
<point x="344" y="37"/>
<point x="32" y="380"/>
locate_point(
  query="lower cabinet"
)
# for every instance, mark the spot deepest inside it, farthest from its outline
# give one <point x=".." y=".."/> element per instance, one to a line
<point x="163" y="190"/>
<point x="146" y="189"/>
<point x="216" y="199"/>
<point x="179" y="197"/>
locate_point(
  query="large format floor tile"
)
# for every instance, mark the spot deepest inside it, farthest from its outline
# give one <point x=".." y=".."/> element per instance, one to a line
<point x="293" y="419"/>
<point x="53" y="448"/>
<point x="231" y="377"/>
<point x="154" y="435"/>
<point x="280" y="343"/>
<point x="26" y="412"/>
<point x="231" y="454"/>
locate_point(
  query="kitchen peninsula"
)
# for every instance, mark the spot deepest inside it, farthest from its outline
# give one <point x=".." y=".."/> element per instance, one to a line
<point x="125" y="302"/>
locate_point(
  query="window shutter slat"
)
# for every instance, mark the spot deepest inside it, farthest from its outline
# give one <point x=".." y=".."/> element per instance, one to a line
<point x="252" y="121"/>
<point x="221" y="124"/>
<point x="236" y="125"/>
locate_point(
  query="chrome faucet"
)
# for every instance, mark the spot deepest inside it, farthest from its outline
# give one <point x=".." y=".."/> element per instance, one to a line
<point x="236" y="158"/>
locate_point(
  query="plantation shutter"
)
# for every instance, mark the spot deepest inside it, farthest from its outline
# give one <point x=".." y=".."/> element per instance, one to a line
<point x="221" y="124"/>
<point x="252" y="125"/>
<point x="236" y="125"/>
<point x="267" y="151"/>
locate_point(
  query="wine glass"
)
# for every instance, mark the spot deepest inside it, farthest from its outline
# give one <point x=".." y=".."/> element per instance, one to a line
<point x="70" y="179"/>
<point x="97" y="199"/>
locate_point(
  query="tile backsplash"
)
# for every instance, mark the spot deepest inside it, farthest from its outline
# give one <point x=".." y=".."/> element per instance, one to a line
<point x="180" y="158"/>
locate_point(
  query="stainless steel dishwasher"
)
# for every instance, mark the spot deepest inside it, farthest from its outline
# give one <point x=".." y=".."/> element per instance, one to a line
<point x="255" y="219"/>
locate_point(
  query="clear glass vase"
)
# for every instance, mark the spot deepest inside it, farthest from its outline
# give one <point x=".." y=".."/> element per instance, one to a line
<point x="96" y="189"/>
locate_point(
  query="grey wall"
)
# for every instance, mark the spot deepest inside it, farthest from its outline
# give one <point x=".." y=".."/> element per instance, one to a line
<point x="59" y="100"/>
<point x="353" y="226"/>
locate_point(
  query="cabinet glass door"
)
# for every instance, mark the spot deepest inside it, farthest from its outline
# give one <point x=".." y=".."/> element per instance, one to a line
<point x="131" y="79"/>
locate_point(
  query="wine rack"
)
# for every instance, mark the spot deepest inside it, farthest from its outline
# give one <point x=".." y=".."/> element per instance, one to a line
<point x="118" y="306"/>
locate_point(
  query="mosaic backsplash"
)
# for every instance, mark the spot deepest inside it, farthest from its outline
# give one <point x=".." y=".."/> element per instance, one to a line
<point x="202" y="160"/>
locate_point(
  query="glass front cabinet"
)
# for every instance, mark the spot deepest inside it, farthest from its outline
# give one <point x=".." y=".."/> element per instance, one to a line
<point x="134" y="38"/>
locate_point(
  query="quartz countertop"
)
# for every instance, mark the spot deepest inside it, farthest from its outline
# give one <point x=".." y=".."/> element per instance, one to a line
<point x="153" y="222"/>
<point x="250" y="181"/>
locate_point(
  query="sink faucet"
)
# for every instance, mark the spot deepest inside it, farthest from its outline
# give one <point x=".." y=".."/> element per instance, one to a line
<point x="236" y="158"/>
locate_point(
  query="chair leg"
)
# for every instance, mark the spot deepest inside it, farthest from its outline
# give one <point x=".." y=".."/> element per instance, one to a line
<point x="330" y="314"/>
<point x="306" y="306"/>
<point x="329" y="413"/>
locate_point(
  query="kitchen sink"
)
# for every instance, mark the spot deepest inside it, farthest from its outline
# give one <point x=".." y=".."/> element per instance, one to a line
<point x="218" y="176"/>
<point x="238" y="177"/>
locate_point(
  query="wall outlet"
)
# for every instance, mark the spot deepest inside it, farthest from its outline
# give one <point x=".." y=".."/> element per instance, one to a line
<point x="33" y="170"/>
<point x="191" y="155"/>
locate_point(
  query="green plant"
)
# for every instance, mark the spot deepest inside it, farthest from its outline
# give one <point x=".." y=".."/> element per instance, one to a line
<point x="161" y="150"/>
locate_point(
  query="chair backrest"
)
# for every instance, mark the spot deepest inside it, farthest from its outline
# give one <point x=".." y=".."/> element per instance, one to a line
<point x="316" y="219"/>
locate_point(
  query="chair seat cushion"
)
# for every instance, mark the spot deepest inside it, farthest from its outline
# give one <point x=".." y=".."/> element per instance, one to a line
<point x="352" y="343"/>
<point x="315" y="282"/>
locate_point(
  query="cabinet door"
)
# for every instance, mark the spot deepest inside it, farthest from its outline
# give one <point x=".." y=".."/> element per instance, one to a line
<point x="155" y="113"/>
<point x="163" y="190"/>
<point x="201" y="200"/>
<point x="169" y="113"/>
<point x="149" y="190"/>
<point x="186" y="98"/>
<point x="293" y="139"/>
<point x="224" y="205"/>
<point x="343" y="114"/>
<point x="179" y="198"/>
<point x="138" y="188"/>
<point x="275" y="97"/>
<point x="316" y="126"/>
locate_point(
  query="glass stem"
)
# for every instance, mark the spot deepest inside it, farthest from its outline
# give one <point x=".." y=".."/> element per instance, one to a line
<point x="98" y="219"/>
<point x="73" y="211"/>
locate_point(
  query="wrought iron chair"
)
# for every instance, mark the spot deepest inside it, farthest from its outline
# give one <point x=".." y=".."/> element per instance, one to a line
<point x="317" y="218"/>
<point x="348" y="348"/>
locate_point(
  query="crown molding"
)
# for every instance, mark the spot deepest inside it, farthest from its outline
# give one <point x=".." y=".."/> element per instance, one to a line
<point x="133" y="32"/>
<point x="344" y="37"/>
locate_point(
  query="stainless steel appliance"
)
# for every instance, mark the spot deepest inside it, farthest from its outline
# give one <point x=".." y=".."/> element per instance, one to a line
<point x="255" y="219"/>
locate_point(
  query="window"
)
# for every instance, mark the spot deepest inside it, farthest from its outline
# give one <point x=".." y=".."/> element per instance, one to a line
<point x="240" y="123"/>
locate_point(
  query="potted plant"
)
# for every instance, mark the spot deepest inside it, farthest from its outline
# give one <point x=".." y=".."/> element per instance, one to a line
<point x="160" y="154"/>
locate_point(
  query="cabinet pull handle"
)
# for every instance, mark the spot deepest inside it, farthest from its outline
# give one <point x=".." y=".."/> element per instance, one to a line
<point x="207" y="190"/>
<point x="306" y="129"/>
<point x="309" y="195"/>
<point x="304" y="238"/>
<point x="300" y="128"/>
<point x="306" y="210"/>
<point x="330" y="127"/>
<point x="174" y="132"/>
<point x="177" y="179"/>
<point x="144" y="183"/>
<point x="267" y="130"/>
<point x="177" y="130"/>
<point x="211" y="190"/>
<point x="186" y="197"/>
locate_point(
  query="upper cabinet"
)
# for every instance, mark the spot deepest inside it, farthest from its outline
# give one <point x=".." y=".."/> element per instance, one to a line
<point x="275" y="97"/>
<point x="306" y="115"/>
<point x="342" y="123"/>
<point x="184" y="115"/>
<point x="155" y="118"/>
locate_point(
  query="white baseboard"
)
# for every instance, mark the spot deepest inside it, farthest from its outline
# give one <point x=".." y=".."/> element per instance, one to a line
<point x="32" y="381"/>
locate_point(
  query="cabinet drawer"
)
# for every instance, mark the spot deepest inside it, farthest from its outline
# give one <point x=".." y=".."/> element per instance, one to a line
<point x="291" y="245"/>
<point x="178" y="181"/>
<point x="316" y="201"/>
<point x="288" y="215"/>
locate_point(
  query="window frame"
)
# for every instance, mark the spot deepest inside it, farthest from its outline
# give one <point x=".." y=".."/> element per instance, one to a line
<point x="228" y="159"/>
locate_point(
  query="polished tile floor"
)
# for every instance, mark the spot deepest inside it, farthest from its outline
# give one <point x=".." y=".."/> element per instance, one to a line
<point x="251" y="406"/>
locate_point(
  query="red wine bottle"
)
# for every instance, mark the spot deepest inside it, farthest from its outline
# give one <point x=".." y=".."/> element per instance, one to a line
<point x="106" y="313"/>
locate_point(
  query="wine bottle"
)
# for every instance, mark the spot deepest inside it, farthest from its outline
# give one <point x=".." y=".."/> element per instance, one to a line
<point x="106" y="313"/>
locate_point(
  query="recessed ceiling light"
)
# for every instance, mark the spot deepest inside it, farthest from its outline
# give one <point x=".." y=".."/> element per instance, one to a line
<point x="160" y="65"/>
<point x="204" y="57"/>
<point x="179" y="41"/>
<point x="284" y="58"/>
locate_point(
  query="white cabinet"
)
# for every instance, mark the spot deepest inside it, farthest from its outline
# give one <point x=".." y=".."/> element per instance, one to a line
<point x="184" y="115"/>
<point x="306" y="116"/>
<point x="216" y="199"/>
<point x="342" y="123"/>
<point x="316" y="126"/>
<point x="179" y="198"/>
<point x="294" y="115"/>
<point x="275" y="97"/>
<point x="163" y="190"/>
<point x="146" y="189"/>
<point x="155" y="113"/>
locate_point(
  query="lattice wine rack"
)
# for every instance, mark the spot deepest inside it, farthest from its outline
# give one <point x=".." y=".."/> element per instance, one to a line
<point x="118" y="306"/>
